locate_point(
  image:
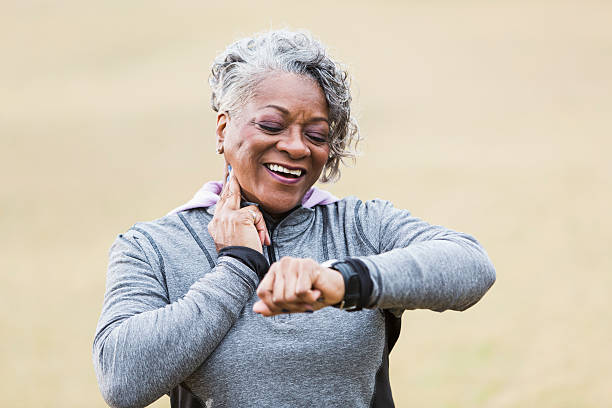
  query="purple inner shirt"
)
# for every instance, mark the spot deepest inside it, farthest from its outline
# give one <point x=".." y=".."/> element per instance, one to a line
<point x="209" y="195"/>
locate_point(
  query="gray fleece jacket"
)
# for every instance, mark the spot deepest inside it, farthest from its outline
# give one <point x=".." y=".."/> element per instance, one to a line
<point x="175" y="313"/>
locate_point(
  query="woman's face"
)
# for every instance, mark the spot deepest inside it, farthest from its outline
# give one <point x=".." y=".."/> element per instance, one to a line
<point x="277" y="143"/>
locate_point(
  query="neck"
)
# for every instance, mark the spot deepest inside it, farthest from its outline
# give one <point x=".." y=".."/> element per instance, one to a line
<point x="274" y="217"/>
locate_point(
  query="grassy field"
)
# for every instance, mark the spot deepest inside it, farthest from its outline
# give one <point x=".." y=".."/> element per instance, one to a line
<point x="492" y="118"/>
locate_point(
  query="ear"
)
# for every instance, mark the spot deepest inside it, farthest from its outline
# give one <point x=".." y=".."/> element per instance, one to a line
<point x="222" y="122"/>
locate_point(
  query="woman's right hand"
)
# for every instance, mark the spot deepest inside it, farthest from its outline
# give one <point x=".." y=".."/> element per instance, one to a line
<point x="232" y="225"/>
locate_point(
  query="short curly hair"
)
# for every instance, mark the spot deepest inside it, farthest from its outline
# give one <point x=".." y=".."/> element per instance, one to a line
<point x="237" y="71"/>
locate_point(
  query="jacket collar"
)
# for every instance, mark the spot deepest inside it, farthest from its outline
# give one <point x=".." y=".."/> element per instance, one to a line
<point x="298" y="219"/>
<point x="208" y="195"/>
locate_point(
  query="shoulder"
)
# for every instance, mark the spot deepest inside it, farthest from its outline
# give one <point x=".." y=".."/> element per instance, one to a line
<point x="358" y="218"/>
<point x="154" y="229"/>
<point x="158" y="236"/>
<point x="355" y="207"/>
<point x="169" y="224"/>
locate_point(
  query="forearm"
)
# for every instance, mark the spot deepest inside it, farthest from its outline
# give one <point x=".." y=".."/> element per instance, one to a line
<point x="439" y="274"/>
<point x="140" y="357"/>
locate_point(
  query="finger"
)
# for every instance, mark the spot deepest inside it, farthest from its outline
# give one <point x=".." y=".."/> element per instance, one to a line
<point x="303" y="284"/>
<point x="259" y="222"/>
<point x="266" y="299"/>
<point x="299" y="308"/>
<point x="230" y="196"/>
<point x="261" y="308"/>
<point x="278" y="291"/>
<point x="224" y="187"/>
<point x="291" y="299"/>
<point x="267" y="283"/>
<point x="264" y="290"/>
<point x="318" y="302"/>
<point x="318" y="306"/>
<point x="291" y="270"/>
<point x="268" y="240"/>
<point x="312" y="297"/>
<point x="277" y="300"/>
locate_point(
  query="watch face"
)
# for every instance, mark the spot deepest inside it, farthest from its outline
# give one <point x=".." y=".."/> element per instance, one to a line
<point x="352" y="286"/>
<point x="353" y="294"/>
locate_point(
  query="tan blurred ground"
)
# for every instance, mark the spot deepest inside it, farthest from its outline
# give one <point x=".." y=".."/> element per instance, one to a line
<point x="492" y="118"/>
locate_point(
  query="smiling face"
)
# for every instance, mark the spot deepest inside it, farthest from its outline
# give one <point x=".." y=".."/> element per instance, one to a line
<point x="277" y="143"/>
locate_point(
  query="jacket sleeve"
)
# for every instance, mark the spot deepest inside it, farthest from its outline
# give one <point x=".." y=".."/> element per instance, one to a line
<point x="419" y="265"/>
<point x="144" y="345"/>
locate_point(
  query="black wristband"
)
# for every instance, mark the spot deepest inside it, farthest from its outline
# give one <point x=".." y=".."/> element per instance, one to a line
<point x="366" y="286"/>
<point x="248" y="256"/>
<point x="358" y="284"/>
<point x="352" y="291"/>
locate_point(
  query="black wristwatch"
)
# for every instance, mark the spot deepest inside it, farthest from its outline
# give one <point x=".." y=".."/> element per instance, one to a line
<point x="352" y="287"/>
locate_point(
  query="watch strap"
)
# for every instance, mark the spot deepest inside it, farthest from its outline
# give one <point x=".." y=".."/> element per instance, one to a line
<point x="366" y="285"/>
<point x="352" y="287"/>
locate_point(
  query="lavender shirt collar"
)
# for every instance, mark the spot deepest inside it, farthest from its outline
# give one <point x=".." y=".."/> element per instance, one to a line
<point x="209" y="195"/>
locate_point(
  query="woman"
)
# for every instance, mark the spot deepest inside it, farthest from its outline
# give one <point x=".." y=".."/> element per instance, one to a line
<point x="215" y="303"/>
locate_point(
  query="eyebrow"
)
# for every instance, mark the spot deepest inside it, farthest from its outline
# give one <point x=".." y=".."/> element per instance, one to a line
<point x="286" y="112"/>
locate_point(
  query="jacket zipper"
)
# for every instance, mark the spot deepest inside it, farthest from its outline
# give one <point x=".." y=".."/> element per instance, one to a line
<point x="271" y="255"/>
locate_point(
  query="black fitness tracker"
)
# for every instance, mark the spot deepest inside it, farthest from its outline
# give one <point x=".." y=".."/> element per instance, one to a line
<point x="352" y="287"/>
<point x="358" y="285"/>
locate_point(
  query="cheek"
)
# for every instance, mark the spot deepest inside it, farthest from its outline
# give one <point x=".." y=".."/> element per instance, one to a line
<point x="319" y="161"/>
<point x="234" y="142"/>
<point x="322" y="156"/>
<point x="244" y="152"/>
<point x="236" y="147"/>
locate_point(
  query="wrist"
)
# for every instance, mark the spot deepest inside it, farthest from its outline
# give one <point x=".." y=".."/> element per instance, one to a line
<point x="357" y="283"/>
<point x="248" y="256"/>
<point x="352" y="287"/>
<point x="337" y="287"/>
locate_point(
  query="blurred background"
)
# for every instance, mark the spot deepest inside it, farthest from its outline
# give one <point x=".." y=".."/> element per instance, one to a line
<point x="492" y="118"/>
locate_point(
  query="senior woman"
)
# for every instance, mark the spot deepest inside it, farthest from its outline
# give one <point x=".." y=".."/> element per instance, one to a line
<point x="265" y="291"/>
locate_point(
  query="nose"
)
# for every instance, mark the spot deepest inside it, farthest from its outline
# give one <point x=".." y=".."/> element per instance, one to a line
<point x="293" y="143"/>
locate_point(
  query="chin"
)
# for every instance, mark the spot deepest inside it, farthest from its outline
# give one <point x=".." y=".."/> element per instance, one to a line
<point x="281" y="206"/>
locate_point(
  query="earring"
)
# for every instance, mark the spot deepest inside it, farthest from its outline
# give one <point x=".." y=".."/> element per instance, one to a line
<point x="219" y="149"/>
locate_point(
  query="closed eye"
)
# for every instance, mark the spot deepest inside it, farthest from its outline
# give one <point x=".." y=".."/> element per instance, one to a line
<point x="269" y="129"/>
<point x="317" y="137"/>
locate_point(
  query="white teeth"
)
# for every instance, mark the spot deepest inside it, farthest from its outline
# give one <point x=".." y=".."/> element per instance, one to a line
<point x="278" y="167"/>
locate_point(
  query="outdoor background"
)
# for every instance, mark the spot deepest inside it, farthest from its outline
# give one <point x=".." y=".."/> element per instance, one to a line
<point x="492" y="118"/>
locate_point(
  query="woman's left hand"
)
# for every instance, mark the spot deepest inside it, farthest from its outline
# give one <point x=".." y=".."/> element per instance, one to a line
<point x="294" y="285"/>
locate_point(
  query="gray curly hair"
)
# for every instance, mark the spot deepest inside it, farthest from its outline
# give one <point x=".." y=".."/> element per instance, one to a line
<point x="237" y="71"/>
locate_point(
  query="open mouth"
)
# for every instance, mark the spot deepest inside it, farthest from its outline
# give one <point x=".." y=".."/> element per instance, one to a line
<point x="284" y="171"/>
